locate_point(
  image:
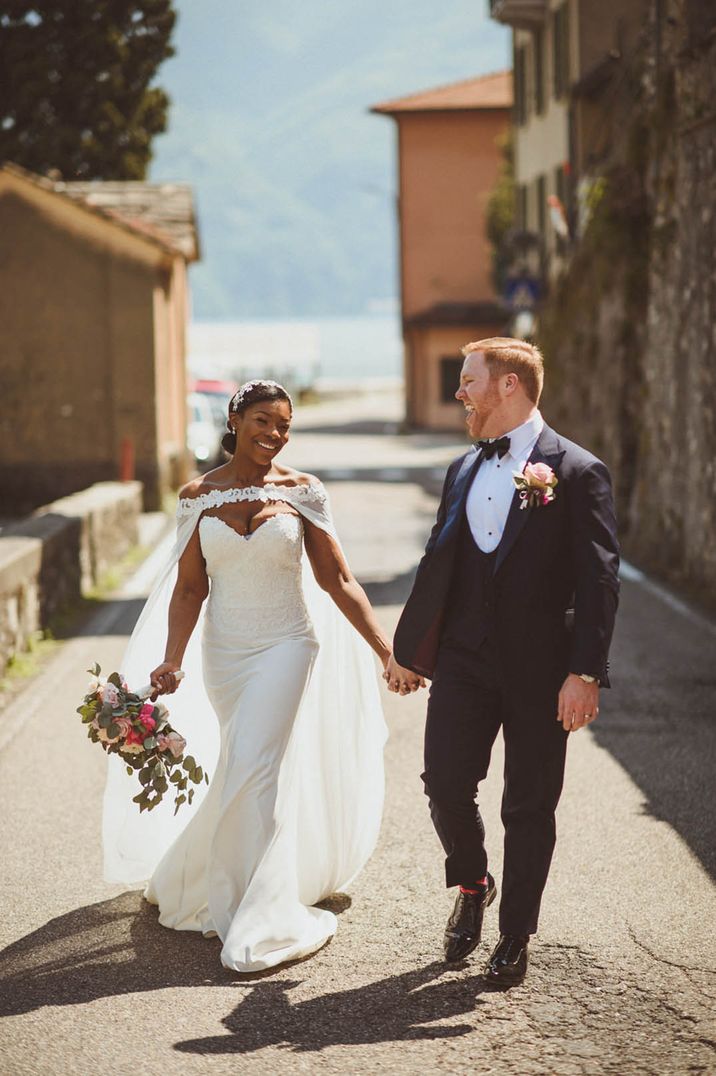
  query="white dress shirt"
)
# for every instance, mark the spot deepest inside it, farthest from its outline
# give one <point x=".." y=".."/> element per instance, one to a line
<point x="492" y="489"/>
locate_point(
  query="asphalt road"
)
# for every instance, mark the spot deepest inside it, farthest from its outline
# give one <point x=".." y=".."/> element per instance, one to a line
<point x="623" y="976"/>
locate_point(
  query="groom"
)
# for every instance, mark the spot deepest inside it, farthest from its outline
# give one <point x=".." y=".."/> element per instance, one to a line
<point x="511" y="615"/>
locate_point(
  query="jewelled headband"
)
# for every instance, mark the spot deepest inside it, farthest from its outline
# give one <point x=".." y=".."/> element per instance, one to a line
<point x="246" y="389"/>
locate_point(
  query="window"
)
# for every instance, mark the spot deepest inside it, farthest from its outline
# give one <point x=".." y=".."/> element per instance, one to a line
<point x="520" y="87"/>
<point x="560" y="184"/>
<point x="522" y="206"/>
<point x="450" y="367"/>
<point x="538" y="70"/>
<point x="541" y="191"/>
<point x="560" y="50"/>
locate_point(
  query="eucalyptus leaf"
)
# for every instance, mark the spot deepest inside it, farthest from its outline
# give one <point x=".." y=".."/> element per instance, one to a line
<point x="150" y="743"/>
<point x="113" y="730"/>
<point x="145" y="776"/>
<point x="130" y="771"/>
<point x="189" y="763"/>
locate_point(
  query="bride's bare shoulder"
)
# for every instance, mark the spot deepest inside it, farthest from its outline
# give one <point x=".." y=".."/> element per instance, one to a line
<point x="288" y="476"/>
<point x="203" y="483"/>
<point x="191" y="490"/>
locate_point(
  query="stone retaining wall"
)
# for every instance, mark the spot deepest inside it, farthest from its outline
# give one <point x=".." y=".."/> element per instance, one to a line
<point x="628" y="333"/>
<point x="51" y="558"/>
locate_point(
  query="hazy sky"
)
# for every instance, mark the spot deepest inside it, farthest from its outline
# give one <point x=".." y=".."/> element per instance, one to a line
<point x="294" y="179"/>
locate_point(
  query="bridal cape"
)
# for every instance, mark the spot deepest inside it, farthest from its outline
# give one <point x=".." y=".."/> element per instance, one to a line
<point x="293" y="808"/>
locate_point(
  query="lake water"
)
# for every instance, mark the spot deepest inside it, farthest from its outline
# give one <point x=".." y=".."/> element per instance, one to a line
<point x="305" y="352"/>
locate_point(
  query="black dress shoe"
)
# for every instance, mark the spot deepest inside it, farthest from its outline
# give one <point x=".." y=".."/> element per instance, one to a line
<point x="508" y="964"/>
<point x="464" y="927"/>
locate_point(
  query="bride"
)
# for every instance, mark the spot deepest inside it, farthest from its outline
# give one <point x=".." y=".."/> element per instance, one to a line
<point x="293" y="808"/>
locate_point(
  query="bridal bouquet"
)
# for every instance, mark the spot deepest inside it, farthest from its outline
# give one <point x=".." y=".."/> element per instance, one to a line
<point x="128" y="725"/>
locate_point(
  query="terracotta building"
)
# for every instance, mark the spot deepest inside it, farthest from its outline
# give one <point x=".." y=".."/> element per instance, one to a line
<point x="448" y="162"/>
<point x="93" y="306"/>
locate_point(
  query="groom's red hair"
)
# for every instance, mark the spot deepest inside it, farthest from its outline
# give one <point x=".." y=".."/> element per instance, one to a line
<point x="505" y="355"/>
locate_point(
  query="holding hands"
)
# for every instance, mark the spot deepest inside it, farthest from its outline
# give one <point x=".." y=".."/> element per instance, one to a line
<point x="399" y="680"/>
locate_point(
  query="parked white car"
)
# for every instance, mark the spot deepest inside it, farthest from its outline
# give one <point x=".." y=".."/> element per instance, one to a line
<point x="203" y="437"/>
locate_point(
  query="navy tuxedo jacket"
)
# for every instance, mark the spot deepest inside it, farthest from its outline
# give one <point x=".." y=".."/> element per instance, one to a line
<point x="555" y="586"/>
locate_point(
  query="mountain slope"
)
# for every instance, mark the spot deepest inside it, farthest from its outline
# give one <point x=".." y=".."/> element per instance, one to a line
<point x="294" y="180"/>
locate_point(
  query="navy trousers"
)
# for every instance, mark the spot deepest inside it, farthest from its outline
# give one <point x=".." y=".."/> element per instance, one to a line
<point x="474" y="694"/>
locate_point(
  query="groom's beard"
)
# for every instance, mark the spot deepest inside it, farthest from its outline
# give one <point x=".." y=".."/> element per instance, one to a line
<point x="477" y="419"/>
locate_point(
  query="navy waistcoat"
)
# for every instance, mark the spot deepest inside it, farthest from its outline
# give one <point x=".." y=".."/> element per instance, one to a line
<point x="470" y="607"/>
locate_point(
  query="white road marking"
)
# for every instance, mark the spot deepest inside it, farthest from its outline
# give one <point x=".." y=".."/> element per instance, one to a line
<point x="634" y="575"/>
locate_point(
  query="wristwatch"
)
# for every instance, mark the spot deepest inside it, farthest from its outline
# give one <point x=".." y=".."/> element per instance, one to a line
<point x="587" y="678"/>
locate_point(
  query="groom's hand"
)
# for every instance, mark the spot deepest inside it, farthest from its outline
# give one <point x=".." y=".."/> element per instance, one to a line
<point x="578" y="703"/>
<point x="401" y="681"/>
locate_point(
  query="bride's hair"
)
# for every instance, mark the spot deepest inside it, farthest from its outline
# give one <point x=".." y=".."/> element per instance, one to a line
<point x="250" y="393"/>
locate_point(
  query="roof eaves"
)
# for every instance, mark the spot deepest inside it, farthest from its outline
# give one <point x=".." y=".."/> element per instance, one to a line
<point x="140" y="230"/>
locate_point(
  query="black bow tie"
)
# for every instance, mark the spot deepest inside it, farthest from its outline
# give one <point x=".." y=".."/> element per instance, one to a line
<point x="500" y="445"/>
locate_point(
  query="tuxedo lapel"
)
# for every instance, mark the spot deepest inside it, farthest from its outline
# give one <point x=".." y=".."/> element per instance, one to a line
<point x="461" y="488"/>
<point x="546" y="451"/>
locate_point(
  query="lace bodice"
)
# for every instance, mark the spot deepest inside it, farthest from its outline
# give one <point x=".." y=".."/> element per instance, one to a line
<point x="256" y="593"/>
<point x="311" y="496"/>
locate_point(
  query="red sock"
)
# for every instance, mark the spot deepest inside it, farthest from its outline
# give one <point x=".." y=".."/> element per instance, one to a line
<point x="480" y="882"/>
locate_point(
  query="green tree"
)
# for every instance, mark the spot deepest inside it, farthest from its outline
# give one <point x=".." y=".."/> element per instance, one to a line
<point x="75" y="84"/>
<point x="500" y="216"/>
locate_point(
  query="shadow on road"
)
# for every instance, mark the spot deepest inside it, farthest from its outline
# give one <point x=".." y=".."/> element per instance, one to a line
<point x="659" y="720"/>
<point x="116" y="947"/>
<point x="392" y="591"/>
<point x="103" y="950"/>
<point x="389" y="1010"/>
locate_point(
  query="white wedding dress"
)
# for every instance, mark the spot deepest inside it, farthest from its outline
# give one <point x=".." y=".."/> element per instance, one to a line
<point x="295" y="799"/>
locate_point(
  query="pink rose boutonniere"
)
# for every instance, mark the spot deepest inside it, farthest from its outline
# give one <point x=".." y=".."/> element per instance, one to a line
<point x="535" y="485"/>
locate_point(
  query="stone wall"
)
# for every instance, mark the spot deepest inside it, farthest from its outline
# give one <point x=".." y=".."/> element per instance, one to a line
<point x="51" y="558"/>
<point x="629" y="331"/>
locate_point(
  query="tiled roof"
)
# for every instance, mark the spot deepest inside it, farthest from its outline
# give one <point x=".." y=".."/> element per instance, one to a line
<point x="162" y="213"/>
<point x="487" y="91"/>
<point x="162" y="210"/>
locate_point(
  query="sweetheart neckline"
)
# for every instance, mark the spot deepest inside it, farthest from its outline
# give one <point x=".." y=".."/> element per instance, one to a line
<point x="246" y="537"/>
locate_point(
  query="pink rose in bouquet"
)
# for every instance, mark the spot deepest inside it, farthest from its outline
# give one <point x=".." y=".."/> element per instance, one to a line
<point x="173" y="742"/>
<point x="129" y="725"/>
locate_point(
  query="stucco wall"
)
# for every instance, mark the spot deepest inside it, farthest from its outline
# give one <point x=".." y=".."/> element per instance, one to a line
<point x="77" y="369"/>
<point x="449" y="163"/>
